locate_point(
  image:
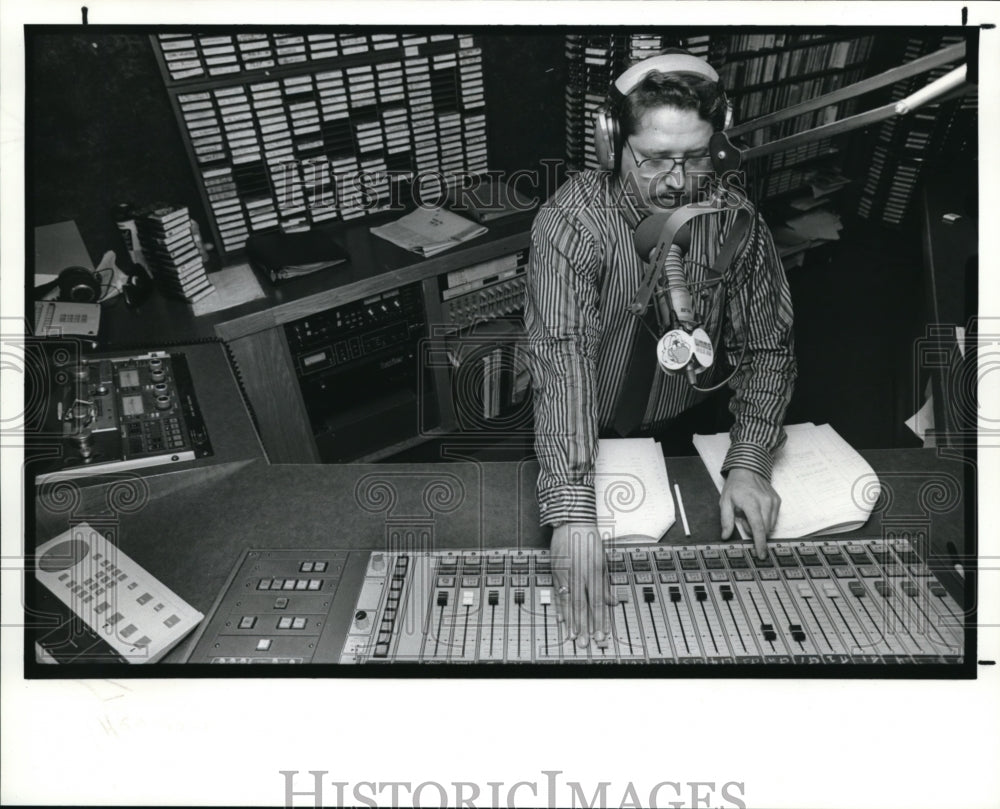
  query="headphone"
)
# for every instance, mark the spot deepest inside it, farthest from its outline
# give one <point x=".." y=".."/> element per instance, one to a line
<point x="76" y="284"/>
<point x="607" y="128"/>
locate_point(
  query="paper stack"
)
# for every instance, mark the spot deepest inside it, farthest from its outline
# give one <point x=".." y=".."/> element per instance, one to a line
<point x="428" y="232"/>
<point x="174" y="258"/>
<point x="634" y="503"/>
<point x="825" y="486"/>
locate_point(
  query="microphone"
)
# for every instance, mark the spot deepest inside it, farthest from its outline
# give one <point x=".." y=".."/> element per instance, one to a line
<point x="685" y="347"/>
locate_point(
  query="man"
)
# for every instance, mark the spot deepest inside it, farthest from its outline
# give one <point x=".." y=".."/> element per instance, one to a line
<point x="583" y="273"/>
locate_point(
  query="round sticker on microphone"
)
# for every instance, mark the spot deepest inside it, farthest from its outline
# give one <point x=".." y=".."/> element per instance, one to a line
<point x="703" y="350"/>
<point x="674" y="350"/>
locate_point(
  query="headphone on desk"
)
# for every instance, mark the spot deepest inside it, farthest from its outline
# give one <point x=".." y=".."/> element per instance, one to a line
<point x="75" y="284"/>
<point x="608" y="137"/>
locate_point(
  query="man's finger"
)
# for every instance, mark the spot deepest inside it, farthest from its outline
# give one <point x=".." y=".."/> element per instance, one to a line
<point x="560" y="581"/>
<point x="759" y="530"/>
<point x="728" y="521"/>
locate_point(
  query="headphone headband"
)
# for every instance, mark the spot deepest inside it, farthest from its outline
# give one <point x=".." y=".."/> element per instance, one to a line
<point x="666" y="63"/>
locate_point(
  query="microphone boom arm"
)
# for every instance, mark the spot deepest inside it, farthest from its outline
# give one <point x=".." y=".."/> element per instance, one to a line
<point x="728" y="157"/>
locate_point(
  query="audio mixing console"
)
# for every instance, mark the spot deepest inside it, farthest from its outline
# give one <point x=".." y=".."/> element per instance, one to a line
<point x="818" y="602"/>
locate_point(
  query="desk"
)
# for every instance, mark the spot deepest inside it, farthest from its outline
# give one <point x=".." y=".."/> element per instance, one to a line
<point x="190" y="539"/>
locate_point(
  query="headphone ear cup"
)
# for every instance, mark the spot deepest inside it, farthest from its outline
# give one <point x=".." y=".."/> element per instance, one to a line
<point x="605" y="138"/>
<point x="79" y="285"/>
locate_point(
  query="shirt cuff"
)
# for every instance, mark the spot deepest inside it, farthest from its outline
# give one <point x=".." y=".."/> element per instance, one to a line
<point x="568" y="503"/>
<point x="749" y="456"/>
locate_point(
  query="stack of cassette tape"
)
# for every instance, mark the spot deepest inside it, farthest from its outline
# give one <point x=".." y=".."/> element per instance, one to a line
<point x="593" y="61"/>
<point x="165" y="233"/>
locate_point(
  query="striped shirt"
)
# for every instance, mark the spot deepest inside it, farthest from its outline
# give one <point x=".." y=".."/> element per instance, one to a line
<point x="583" y="272"/>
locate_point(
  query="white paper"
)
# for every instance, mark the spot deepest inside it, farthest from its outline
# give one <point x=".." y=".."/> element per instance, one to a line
<point x="428" y="232"/>
<point x="824" y="484"/>
<point x="634" y="502"/>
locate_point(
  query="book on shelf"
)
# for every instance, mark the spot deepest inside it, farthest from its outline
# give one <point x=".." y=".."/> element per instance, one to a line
<point x="428" y="232"/>
<point x="825" y="486"/>
<point x="634" y="501"/>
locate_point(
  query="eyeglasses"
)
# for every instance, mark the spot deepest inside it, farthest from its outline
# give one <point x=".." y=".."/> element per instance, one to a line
<point x="666" y="165"/>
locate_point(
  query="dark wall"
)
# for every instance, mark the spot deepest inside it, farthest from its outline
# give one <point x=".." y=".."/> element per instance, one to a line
<point x="101" y="130"/>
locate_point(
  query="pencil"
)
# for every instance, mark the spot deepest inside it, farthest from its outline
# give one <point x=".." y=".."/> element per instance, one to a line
<point x="680" y="507"/>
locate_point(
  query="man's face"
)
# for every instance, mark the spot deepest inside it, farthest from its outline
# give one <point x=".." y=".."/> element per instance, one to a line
<point x="667" y="132"/>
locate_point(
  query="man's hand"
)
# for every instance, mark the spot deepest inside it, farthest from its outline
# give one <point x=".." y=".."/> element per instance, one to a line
<point x="749" y="498"/>
<point x="581" y="580"/>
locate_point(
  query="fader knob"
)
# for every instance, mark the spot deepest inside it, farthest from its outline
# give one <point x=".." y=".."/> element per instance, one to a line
<point x="361" y="619"/>
<point x="162" y="402"/>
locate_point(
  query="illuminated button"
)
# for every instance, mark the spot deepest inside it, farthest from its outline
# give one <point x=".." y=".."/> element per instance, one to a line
<point x="643" y="578"/>
<point x="470" y="581"/>
<point x="543" y="580"/>
<point x="818" y="573"/>
<point x="718" y="575"/>
<point x="248" y="622"/>
<point x="743" y="575"/>
<point x="843" y="572"/>
<point x="299" y="623"/>
<point x="693" y="577"/>
<point x="669" y="578"/>
<point x="445" y="581"/>
<point x="264" y="644"/>
<point x="306" y="567"/>
<point x="710" y="553"/>
<point x="281" y="603"/>
<point x="519" y="581"/>
<point x="895" y="571"/>
<point x="128" y="631"/>
<point x="301" y="584"/>
<point x="619" y="578"/>
<point x="768" y="574"/>
<point x="869" y="571"/>
<point x="264" y="584"/>
<point x="285" y="622"/>
<point x="288" y="584"/>
<point x="315" y="584"/>
<point x="794" y="573"/>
